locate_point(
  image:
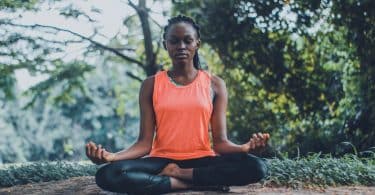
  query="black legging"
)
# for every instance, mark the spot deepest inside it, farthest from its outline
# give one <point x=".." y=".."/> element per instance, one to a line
<point x="139" y="176"/>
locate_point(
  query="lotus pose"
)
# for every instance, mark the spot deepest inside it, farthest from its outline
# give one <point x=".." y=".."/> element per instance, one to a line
<point x="179" y="108"/>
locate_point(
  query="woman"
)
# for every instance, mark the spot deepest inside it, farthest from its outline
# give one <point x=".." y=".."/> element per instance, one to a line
<point x="178" y="106"/>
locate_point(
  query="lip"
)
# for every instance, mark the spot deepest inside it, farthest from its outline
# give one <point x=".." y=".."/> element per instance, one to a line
<point x="181" y="55"/>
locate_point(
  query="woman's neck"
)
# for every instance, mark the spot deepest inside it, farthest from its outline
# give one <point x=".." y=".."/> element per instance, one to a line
<point x="186" y="71"/>
<point x="183" y="75"/>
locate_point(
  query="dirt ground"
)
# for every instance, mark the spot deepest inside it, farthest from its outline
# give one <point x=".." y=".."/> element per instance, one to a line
<point x="86" y="185"/>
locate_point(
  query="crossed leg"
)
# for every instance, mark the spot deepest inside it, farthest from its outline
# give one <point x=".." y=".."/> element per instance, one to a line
<point x="160" y="175"/>
<point x="231" y="169"/>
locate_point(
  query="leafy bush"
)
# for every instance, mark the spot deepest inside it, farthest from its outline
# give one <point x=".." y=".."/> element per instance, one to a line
<point x="303" y="172"/>
<point x="16" y="174"/>
<point x="317" y="171"/>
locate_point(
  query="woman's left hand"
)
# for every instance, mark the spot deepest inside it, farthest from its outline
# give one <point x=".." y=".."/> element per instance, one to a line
<point x="257" y="141"/>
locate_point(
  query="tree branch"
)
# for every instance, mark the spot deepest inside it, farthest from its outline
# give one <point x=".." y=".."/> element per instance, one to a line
<point x="134" y="76"/>
<point x="156" y="22"/>
<point x="133" y="5"/>
<point x="113" y="50"/>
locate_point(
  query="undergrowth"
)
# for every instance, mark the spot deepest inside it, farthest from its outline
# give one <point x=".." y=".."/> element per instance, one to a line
<point x="313" y="170"/>
<point x="320" y="171"/>
<point x="33" y="172"/>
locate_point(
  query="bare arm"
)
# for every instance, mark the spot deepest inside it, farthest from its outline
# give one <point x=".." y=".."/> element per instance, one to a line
<point x="147" y="125"/>
<point x="221" y="144"/>
<point x="146" y="134"/>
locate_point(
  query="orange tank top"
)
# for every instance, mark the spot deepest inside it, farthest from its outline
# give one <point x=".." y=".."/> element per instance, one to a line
<point x="182" y="116"/>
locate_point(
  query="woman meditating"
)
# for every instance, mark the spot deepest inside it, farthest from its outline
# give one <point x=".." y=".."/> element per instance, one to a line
<point x="178" y="109"/>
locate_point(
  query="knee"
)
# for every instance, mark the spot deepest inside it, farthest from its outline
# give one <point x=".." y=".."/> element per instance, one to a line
<point x="261" y="169"/>
<point x="257" y="169"/>
<point x="104" y="177"/>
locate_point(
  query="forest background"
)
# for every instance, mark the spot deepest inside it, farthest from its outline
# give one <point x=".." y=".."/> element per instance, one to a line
<point x="301" y="70"/>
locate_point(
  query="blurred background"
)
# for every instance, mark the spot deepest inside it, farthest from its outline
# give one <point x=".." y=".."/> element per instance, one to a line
<point x="70" y="72"/>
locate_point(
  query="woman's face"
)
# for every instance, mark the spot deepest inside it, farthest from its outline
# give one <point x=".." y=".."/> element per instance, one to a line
<point x="182" y="42"/>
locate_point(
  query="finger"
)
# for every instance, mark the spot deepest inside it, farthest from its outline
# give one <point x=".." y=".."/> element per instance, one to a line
<point x="258" y="142"/>
<point x="90" y="146"/>
<point x="91" y="149"/>
<point x="264" y="138"/>
<point x="103" y="154"/>
<point x="267" y="135"/>
<point x="257" y="139"/>
<point x="87" y="150"/>
<point x="254" y="137"/>
<point x="252" y="144"/>
<point x="260" y="135"/>
<point x="99" y="152"/>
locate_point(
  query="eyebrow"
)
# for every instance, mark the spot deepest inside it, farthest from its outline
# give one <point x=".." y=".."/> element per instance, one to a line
<point x="186" y="36"/>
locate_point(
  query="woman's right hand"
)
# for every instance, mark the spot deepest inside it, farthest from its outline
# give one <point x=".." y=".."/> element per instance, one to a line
<point x="97" y="154"/>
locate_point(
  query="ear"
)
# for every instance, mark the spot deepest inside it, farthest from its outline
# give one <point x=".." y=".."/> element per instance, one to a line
<point x="164" y="45"/>
<point x="198" y="43"/>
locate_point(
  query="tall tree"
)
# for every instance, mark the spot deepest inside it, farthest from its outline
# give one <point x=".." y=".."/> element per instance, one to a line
<point x="358" y="17"/>
<point x="284" y="65"/>
<point x="83" y="98"/>
<point x="43" y="46"/>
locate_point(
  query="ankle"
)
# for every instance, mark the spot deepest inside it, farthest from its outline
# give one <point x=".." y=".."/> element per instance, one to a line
<point x="176" y="172"/>
<point x="177" y="184"/>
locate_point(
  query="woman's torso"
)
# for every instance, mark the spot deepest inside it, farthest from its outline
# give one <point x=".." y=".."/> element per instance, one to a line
<point x="182" y="115"/>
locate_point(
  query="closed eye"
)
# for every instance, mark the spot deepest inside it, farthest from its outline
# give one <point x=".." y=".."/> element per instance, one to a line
<point x="188" y="40"/>
<point x="173" y="41"/>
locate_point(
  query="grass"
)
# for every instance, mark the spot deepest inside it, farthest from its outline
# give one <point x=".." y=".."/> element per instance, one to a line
<point x="33" y="172"/>
<point x="321" y="171"/>
<point x="313" y="170"/>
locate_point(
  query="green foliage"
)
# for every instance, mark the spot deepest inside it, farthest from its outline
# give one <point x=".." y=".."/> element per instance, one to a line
<point x="89" y="97"/>
<point x="101" y="105"/>
<point x="7" y="82"/>
<point x="301" y="70"/>
<point x="300" y="79"/>
<point x="359" y="18"/>
<point x="18" y="174"/>
<point x="14" y="4"/>
<point x="321" y="171"/>
<point x="68" y="76"/>
<point x="302" y="172"/>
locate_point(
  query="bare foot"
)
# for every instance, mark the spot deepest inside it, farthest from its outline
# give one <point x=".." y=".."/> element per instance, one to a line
<point x="170" y="170"/>
<point x="177" y="184"/>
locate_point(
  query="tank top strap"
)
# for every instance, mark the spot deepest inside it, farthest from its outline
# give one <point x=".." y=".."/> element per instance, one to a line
<point x="158" y="80"/>
<point x="208" y="73"/>
<point x="209" y="76"/>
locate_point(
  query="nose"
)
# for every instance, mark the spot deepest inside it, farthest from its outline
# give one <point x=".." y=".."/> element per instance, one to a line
<point x="181" y="45"/>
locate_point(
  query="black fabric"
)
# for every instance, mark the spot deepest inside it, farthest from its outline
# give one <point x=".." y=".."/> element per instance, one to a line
<point x="232" y="169"/>
<point x="139" y="176"/>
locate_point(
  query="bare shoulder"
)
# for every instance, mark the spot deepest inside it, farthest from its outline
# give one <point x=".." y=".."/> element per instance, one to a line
<point x="218" y="84"/>
<point x="148" y="85"/>
<point x="149" y="81"/>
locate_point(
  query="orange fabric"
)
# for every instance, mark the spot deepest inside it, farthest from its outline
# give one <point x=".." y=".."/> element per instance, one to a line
<point x="182" y="118"/>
